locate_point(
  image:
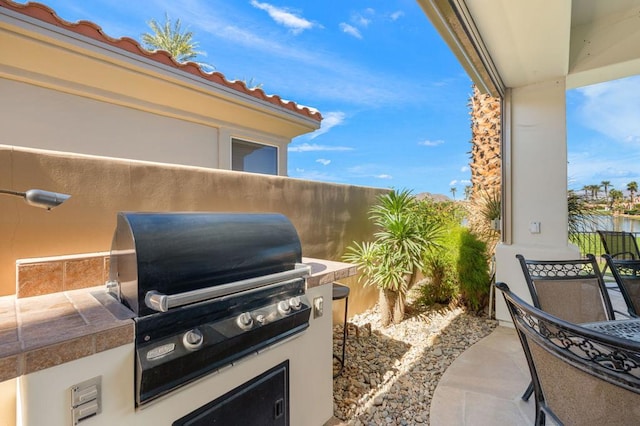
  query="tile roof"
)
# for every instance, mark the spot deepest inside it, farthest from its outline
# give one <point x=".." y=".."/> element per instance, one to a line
<point x="89" y="29"/>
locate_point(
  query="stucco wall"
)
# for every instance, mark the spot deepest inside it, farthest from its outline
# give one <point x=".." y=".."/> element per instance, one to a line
<point x="327" y="216"/>
<point x="76" y="124"/>
<point x="72" y="123"/>
<point x="538" y="189"/>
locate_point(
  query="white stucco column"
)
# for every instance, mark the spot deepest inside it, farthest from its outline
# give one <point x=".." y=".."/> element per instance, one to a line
<point x="536" y="181"/>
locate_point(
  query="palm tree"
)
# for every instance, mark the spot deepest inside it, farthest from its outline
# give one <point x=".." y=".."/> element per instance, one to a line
<point x="467" y="192"/>
<point x="453" y="192"/>
<point x="606" y="184"/>
<point x="593" y="189"/>
<point x="632" y="187"/>
<point x="171" y="38"/>
<point x="616" y="197"/>
<point x="250" y="83"/>
<point x="586" y="190"/>
<point x="484" y="206"/>
<point x="485" y="144"/>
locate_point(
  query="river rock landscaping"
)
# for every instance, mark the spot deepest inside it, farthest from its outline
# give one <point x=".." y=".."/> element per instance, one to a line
<point x="391" y="372"/>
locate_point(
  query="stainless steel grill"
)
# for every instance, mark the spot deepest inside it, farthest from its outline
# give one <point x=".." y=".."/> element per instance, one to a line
<point x="206" y="289"/>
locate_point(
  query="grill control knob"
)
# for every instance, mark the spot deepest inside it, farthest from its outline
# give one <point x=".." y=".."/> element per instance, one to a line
<point x="283" y="307"/>
<point x="295" y="303"/>
<point x="245" y="321"/>
<point x="193" y="339"/>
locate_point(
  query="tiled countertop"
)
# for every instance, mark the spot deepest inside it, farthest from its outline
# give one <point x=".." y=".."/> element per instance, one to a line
<point x="43" y="331"/>
<point x="327" y="271"/>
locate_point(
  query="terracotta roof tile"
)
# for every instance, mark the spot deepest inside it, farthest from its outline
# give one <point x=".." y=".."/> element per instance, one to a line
<point x="89" y="29"/>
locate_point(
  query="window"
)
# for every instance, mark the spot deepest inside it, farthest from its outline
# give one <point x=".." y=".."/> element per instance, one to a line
<point x="253" y="157"/>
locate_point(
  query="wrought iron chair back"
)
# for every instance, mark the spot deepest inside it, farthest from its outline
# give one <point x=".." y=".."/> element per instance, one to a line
<point x="580" y="376"/>
<point x="627" y="276"/>
<point x="619" y="244"/>
<point x="569" y="289"/>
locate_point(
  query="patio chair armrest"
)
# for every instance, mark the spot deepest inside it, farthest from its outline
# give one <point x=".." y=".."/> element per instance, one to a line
<point x="626" y="315"/>
<point x="625" y="253"/>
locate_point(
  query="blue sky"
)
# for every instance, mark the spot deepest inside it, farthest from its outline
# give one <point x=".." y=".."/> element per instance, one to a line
<point x="393" y="97"/>
<point x="603" y="134"/>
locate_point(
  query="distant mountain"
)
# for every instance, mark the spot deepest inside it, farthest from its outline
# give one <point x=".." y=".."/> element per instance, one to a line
<point x="435" y="197"/>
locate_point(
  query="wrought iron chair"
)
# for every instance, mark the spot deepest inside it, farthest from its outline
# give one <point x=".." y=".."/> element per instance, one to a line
<point x="580" y="376"/>
<point x="619" y="245"/>
<point x="569" y="289"/>
<point x="627" y="276"/>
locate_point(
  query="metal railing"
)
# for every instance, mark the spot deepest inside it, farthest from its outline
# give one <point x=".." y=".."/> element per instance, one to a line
<point x="589" y="242"/>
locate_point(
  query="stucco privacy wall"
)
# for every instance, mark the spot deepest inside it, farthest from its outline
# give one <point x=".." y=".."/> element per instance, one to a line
<point x="327" y="216"/>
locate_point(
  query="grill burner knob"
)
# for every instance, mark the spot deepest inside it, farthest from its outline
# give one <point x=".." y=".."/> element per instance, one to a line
<point x="244" y="320"/>
<point x="283" y="307"/>
<point x="295" y="303"/>
<point x="193" y="339"/>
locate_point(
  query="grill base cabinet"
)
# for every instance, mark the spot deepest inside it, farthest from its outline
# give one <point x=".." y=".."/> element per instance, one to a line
<point x="44" y="397"/>
<point x="263" y="401"/>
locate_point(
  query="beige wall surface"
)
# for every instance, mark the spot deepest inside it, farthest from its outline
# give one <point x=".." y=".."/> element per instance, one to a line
<point x="538" y="188"/>
<point x="328" y="217"/>
<point x="36" y="117"/>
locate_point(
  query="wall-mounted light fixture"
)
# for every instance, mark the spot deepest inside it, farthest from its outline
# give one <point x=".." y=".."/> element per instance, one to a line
<point x="39" y="198"/>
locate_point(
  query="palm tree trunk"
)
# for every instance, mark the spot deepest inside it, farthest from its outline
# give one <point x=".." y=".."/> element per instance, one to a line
<point x="399" y="308"/>
<point x="386" y="302"/>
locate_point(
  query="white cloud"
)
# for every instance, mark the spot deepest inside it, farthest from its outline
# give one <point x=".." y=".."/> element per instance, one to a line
<point x="350" y="29"/>
<point x="308" y="147"/>
<point x="612" y="109"/>
<point x="368" y="171"/>
<point x="428" y="142"/>
<point x="396" y="15"/>
<point x="316" y="176"/>
<point x="284" y="17"/>
<point x="322" y="75"/>
<point x="360" y="20"/>
<point x="464" y="169"/>
<point x="323" y="161"/>
<point x="329" y="120"/>
<point x="591" y="167"/>
<point x="465" y="182"/>
<point x="453" y="182"/>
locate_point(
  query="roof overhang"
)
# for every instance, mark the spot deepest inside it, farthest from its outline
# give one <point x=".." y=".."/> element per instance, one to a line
<point x="514" y="43"/>
<point x="78" y="59"/>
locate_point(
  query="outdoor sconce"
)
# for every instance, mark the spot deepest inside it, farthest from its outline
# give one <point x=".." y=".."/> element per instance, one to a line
<point x="39" y="198"/>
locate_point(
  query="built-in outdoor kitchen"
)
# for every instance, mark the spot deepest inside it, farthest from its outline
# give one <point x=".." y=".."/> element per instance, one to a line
<point x="206" y="318"/>
<point x="162" y="287"/>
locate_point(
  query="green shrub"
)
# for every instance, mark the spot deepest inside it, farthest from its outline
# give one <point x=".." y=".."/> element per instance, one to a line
<point x="473" y="271"/>
<point x="440" y="269"/>
<point x="440" y="263"/>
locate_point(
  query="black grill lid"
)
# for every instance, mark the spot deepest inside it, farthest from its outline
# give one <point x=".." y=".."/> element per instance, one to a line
<point x="173" y="253"/>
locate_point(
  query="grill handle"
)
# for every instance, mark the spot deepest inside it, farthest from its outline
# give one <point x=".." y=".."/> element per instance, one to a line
<point x="162" y="303"/>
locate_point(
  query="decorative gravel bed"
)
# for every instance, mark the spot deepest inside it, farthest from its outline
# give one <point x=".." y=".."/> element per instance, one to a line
<point x="391" y="372"/>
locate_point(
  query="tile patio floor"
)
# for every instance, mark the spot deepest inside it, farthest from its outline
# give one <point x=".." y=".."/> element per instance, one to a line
<point x="484" y="385"/>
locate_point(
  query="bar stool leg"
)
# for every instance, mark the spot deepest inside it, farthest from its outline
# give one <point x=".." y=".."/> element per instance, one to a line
<point x="339" y="292"/>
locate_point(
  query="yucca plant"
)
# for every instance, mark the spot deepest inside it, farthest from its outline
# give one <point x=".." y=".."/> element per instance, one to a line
<point x="394" y="258"/>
